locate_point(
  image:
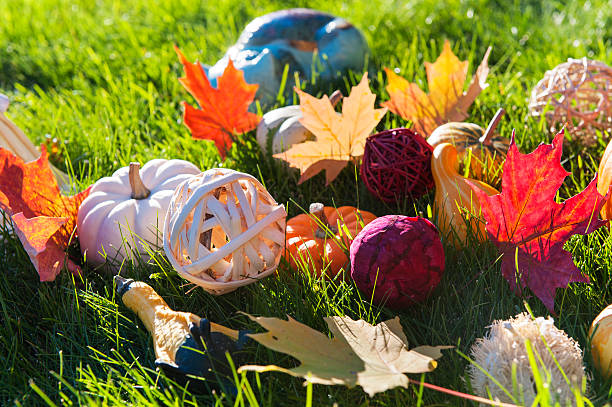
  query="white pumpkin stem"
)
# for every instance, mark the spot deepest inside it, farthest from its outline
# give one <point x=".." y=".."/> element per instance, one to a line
<point x="486" y="137"/>
<point x="318" y="211"/>
<point x="139" y="191"/>
<point x="335" y="97"/>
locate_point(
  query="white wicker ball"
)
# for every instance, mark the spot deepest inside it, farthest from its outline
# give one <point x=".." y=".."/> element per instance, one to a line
<point x="223" y="230"/>
<point x="576" y="93"/>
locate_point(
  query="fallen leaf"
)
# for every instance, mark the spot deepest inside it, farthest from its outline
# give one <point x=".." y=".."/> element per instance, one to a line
<point x="44" y="219"/>
<point x="373" y="357"/>
<point x="339" y="138"/>
<point x="446" y="101"/>
<point x="223" y="111"/>
<point x="36" y="237"/>
<point x="530" y="228"/>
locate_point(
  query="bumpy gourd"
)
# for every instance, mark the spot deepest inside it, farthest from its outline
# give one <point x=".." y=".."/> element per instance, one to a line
<point x="320" y="239"/>
<point x="455" y="198"/>
<point x="486" y="148"/>
<point x="185" y="344"/>
<point x="604" y="179"/>
<point x="601" y="342"/>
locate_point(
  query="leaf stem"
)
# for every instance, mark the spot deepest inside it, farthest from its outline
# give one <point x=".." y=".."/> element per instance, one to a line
<point x="462" y="395"/>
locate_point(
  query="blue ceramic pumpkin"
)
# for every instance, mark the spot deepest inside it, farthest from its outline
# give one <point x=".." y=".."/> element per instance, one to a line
<point x="309" y="41"/>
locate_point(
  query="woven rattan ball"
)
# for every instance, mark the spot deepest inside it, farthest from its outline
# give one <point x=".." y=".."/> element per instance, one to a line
<point x="397" y="163"/>
<point x="223" y="230"/>
<point x="576" y="93"/>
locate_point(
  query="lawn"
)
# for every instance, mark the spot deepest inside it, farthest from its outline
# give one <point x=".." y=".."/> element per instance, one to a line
<point x="99" y="81"/>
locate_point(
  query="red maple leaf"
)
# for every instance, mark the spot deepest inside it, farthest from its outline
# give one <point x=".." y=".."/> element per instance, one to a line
<point x="223" y="111"/>
<point x="530" y="228"/>
<point x="44" y="219"/>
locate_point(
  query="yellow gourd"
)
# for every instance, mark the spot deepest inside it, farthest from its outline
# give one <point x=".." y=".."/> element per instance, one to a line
<point x="601" y="341"/>
<point x="455" y="203"/>
<point x="168" y="327"/>
<point x="487" y="149"/>
<point x="186" y="346"/>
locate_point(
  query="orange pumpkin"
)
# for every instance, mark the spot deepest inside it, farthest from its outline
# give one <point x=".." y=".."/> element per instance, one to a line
<point x="604" y="179"/>
<point x="321" y="240"/>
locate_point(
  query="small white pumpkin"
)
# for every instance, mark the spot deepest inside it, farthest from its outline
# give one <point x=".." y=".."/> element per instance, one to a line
<point x="126" y="211"/>
<point x="283" y="125"/>
<point x="285" y="128"/>
<point x="4" y="102"/>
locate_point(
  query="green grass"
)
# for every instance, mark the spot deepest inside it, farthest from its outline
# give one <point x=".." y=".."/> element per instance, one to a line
<point x="101" y="79"/>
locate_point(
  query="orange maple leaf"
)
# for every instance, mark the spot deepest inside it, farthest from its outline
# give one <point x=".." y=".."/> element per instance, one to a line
<point x="339" y="138"/>
<point x="44" y="219"/>
<point x="223" y="111"/>
<point x="446" y="101"/>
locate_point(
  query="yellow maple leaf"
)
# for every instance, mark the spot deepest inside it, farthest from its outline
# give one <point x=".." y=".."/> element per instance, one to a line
<point x="446" y="101"/>
<point x="339" y="138"/>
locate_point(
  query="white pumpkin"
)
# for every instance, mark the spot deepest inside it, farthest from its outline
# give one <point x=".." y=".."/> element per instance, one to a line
<point x="126" y="211"/>
<point x="4" y="102"/>
<point x="283" y="125"/>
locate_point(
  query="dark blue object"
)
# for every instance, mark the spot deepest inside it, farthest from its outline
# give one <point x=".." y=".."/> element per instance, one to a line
<point x="301" y="38"/>
<point x="201" y="360"/>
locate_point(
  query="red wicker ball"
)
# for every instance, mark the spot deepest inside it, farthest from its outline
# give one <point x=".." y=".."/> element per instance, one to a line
<point x="397" y="164"/>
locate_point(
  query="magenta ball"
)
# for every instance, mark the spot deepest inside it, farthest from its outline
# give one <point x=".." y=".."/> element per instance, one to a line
<point x="398" y="258"/>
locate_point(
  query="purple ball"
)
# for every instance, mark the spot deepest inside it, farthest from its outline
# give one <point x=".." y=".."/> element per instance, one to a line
<point x="398" y="258"/>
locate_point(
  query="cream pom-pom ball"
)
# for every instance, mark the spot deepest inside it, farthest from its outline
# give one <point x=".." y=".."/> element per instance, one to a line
<point x="505" y="347"/>
<point x="224" y="230"/>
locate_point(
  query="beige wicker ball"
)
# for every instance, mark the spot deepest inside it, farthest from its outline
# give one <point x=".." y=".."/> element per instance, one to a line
<point x="578" y="94"/>
<point x="223" y="230"/>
